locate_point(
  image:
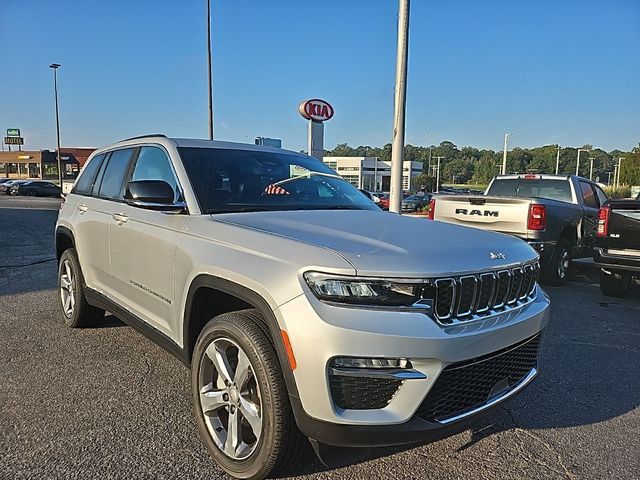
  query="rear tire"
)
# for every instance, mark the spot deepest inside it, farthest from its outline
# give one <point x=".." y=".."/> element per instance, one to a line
<point x="267" y="445"/>
<point x="614" y="284"/>
<point x="76" y="311"/>
<point x="556" y="272"/>
<point x="31" y="193"/>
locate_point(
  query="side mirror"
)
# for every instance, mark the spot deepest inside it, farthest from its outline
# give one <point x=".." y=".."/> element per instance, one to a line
<point x="154" y="195"/>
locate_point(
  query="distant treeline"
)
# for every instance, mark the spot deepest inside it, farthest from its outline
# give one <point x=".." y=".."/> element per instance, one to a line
<point x="472" y="165"/>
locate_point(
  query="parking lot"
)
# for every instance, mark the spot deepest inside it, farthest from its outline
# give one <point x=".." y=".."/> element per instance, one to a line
<point x="108" y="403"/>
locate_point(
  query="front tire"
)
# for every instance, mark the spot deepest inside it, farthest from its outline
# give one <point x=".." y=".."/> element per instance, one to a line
<point x="614" y="284"/>
<point x="240" y="399"/>
<point x="76" y="311"/>
<point x="556" y="273"/>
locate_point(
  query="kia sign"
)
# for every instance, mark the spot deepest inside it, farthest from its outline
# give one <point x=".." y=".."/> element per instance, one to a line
<point x="316" y="110"/>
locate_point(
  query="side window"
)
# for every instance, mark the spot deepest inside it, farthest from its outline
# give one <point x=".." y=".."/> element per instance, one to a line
<point x="113" y="178"/>
<point x="153" y="164"/>
<point x="588" y="196"/>
<point x="87" y="177"/>
<point x="602" y="197"/>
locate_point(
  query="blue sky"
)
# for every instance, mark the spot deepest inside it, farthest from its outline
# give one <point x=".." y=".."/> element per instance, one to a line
<point x="562" y="71"/>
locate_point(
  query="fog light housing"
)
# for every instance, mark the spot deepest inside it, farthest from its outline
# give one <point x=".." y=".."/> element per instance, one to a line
<point x="377" y="363"/>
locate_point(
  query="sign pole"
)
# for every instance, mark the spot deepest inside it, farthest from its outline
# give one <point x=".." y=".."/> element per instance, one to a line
<point x="397" y="149"/>
<point x="315" y="143"/>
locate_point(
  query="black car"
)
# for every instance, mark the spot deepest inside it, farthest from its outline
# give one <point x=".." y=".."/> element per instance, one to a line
<point x="36" y="188"/>
<point x="617" y="250"/>
<point x="415" y="203"/>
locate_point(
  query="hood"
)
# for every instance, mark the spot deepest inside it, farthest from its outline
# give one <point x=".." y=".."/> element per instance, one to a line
<point x="377" y="243"/>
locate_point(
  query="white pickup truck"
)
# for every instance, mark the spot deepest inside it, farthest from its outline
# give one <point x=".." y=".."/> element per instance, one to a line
<point x="555" y="214"/>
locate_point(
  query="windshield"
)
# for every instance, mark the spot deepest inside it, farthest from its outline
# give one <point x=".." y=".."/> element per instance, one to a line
<point x="547" y="188"/>
<point x="252" y="180"/>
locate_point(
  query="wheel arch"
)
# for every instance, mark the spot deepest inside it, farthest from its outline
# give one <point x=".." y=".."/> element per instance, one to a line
<point x="64" y="240"/>
<point x="209" y="296"/>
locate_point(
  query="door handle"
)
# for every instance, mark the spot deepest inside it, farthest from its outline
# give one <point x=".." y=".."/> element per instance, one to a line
<point x="120" y="218"/>
<point x="83" y="208"/>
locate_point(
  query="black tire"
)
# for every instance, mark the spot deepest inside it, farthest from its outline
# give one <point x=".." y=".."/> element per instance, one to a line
<point x="31" y="193"/>
<point x="614" y="284"/>
<point x="281" y="443"/>
<point x="81" y="314"/>
<point x="556" y="272"/>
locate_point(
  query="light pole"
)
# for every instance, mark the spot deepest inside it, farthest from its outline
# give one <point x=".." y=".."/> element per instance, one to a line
<point x="400" y="100"/>
<point x="591" y="159"/>
<point x="55" y="67"/>
<point x="438" y="174"/>
<point x="209" y="70"/>
<point x="578" y="160"/>
<point x="615" y="175"/>
<point x="619" y="170"/>
<point x="504" y="154"/>
<point x="558" y="160"/>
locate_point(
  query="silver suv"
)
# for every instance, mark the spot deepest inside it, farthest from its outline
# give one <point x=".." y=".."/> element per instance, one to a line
<point x="302" y="308"/>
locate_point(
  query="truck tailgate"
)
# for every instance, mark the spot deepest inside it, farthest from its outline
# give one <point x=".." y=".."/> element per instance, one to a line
<point x="500" y="214"/>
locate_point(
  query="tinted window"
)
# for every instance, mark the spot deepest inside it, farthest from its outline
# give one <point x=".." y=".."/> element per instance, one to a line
<point x="547" y="188"/>
<point x="602" y="197"/>
<point x="113" y="178"/>
<point x="251" y="180"/>
<point x="588" y="195"/>
<point x="153" y="164"/>
<point x="87" y="176"/>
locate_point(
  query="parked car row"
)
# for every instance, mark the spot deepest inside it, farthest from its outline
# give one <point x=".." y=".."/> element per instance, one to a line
<point x="30" y="188"/>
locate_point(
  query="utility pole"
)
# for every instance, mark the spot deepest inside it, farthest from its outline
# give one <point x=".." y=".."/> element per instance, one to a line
<point x="209" y="70"/>
<point x="615" y="175"/>
<point x="558" y="160"/>
<point x="591" y="159"/>
<point x="504" y="154"/>
<point x="437" y="189"/>
<point x="609" y="180"/>
<point x="55" y="67"/>
<point x="397" y="149"/>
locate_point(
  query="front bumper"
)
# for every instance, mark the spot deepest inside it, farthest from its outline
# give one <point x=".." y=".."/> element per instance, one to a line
<point x="320" y="332"/>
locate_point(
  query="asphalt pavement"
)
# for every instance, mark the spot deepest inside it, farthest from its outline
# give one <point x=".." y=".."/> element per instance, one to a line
<point x="108" y="403"/>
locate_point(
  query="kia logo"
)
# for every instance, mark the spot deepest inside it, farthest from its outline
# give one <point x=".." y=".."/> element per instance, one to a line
<point x="316" y="110"/>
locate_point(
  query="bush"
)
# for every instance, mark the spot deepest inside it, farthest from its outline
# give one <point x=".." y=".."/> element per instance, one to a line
<point x="623" y="191"/>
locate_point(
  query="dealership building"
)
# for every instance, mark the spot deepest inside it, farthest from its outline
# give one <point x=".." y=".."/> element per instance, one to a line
<point x="371" y="173"/>
<point x="43" y="164"/>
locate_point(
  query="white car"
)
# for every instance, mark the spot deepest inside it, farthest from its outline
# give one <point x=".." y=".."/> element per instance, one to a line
<point x="302" y="309"/>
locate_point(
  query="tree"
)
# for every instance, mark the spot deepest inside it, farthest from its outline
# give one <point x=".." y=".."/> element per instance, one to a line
<point x="459" y="169"/>
<point x="485" y="170"/>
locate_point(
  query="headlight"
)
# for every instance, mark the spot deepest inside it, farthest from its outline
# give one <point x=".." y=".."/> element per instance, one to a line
<point x="368" y="292"/>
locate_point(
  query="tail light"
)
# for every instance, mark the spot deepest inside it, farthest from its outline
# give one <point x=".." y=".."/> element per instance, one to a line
<point x="537" y="217"/>
<point x="432" y="208"/>
<point x="603" y="221"/>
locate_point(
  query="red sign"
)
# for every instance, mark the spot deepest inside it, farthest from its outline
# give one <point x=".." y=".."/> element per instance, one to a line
<point x="316" y="110"/>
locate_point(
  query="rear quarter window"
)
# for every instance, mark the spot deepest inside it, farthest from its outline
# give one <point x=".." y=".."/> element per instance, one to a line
<point x="87" y="177"/>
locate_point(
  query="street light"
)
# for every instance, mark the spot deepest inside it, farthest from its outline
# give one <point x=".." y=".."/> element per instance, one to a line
<point x="209" y="69"/>
<point x="578" y="161"/>
<point x="591" y="159"/>
<point x="619" y="170"/>
<point x="55" y="67"/>
<point x="558" y="159"/>
<point x="438" y="174"/>
<point x="504" y="154"/>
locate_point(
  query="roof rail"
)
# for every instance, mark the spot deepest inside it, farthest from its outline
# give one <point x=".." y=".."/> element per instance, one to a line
<point x="144" y="136"/>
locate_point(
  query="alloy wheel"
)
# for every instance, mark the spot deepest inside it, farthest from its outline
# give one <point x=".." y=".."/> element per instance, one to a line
<point x="563" y="265"/>
<point x="67" y="293"/>
<point x="230" y="398"/>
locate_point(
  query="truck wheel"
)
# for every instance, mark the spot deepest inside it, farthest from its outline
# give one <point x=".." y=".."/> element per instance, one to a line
<point x="556" y="272"/>
<point x="76" y="311"/>
<point x="614" y="284"/>
<point x="240" y="399"/>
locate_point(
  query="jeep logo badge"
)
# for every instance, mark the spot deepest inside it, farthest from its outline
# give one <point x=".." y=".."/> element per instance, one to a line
<point x="497" y="256"/>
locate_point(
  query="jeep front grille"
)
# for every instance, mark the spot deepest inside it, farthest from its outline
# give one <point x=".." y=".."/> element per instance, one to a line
<point x="459" y="299"/>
